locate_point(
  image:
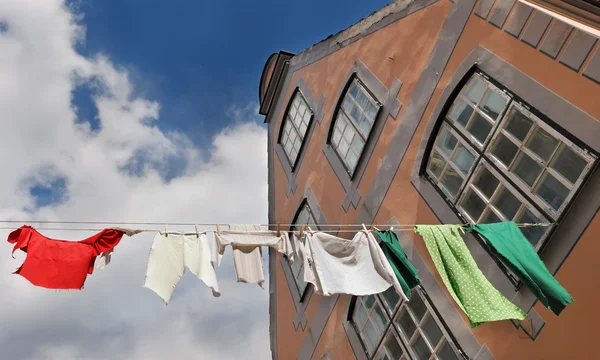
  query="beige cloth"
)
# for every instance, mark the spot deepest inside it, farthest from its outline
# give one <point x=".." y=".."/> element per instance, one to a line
<point x="341" y="266"/>
<point x="105" y="257"/>
<point x="246" y="240"/>
<point x="169" y="256"/>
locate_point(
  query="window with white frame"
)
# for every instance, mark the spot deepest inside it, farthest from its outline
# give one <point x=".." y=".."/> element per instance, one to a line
<point x="353" y="123"/>
<point x="393" y="329"/>
<point x="296" y="123"/>
<point x="305" y="216"/>
<point x="495" y="160"/>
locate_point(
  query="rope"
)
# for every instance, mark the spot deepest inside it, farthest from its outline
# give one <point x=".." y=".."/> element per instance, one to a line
<point x="386" y="226"/>
<point x="400" y="226"/>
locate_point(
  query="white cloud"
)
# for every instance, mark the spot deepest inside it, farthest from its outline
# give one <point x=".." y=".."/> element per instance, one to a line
<point x="114" y="317"/>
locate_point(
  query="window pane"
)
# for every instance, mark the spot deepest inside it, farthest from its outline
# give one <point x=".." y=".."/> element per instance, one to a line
<point x="446" y="141"/>
<point x="532" y="233"/>
<point x="432" y="331"/>
<point x="406" y="324"/>
<point x="486" y="182"/>
<point x="371" y="111"/>
<point x="370" y="336"/>
<point x="507" y="203"/>
<point x="393" y="347"/>
<point x="417" y="306"/>
<point x="357" y="145"/>
<point x="492" y="104"/>
<point x="504" y="149"/>
<point x="461" y="112"/>
<point x="378" y="318"/>
<point x="518" y="124"/>
<point x="473" y="205"/>
<point x="527" y="169"/>
<point x="391" y="298"/>
<point x="360" y="316"/>
<point x="475" y="90"/>
<point x="353" y="89"/>
<point x="446" y="353"/>
<point x="365" y="127"/>
<point x="421" y="349"/>
<point x="436" y="164"/>
<point x="451" y="180"/>
<point x="552" y="191"/>
<point x="542" y="143"/>
<point x="369" y="301"/>
<point x="355" y="114"/>
<point x="352" y="159"/>
<point x="568" y="163"/>
<point x="343" y="148"/>
<point x="347" y="105"/>
<point x="479" y="128"/>
<point x="490" y="217"/>
<point x="463" y="159"/>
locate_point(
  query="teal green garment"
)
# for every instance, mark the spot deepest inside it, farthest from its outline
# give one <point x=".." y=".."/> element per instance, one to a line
<point x="405" y="271"/>
<point x="509" y="245"/>
<point x="475" y="295"/>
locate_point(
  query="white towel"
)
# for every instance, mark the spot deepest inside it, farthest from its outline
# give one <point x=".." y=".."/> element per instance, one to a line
<point x="246" y="240"/>
<point x="340" y="266"/>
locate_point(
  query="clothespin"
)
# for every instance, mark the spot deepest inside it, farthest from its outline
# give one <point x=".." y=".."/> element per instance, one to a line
<point x="391" y="228"/>
<point x="375" y="227"/>
<point x="311" y="230"/>
<point x="218" y="230"/>
<point x="302" y="230"/>
<point x="471" y="224"/>
<point x="166" y="230"/>
<point x="364" y="228"/>
<point x="278" y="230"/>
<point x="197" y="232"/>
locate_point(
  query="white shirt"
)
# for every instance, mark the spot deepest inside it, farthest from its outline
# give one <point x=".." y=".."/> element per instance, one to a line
<point x="341" y="266"/>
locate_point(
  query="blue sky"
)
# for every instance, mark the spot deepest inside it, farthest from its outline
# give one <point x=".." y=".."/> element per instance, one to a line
<point x="199" y="58"/>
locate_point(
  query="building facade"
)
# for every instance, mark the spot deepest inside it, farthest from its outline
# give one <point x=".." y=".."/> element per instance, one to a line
<point x="439" y="111"/>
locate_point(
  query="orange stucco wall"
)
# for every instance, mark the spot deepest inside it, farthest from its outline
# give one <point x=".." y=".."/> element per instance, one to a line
<point x="401" y="50"/>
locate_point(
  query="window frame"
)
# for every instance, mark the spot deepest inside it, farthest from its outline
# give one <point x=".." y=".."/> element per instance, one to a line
<point x="392" y="328"/>
<point x="286" y="119"/>
<point x="578" y="10"/>
<point x="484" y="154"/>
<point x="304" y="205"/>
<point x="355" y="78"/>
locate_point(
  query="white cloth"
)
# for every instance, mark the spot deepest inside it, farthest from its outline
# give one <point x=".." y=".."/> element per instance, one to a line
<point x="170" y="254"/>
<point x="105" y="257"/>
<point x="246" y="240"/>
<point x="341" y="266"/>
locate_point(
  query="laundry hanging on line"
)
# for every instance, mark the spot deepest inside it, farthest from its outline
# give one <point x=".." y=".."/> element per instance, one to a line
<point x="171" y="254"/>
<point x="246" y="241"/>
<point x="60" y="264"/>
<point x="467" y="285"/>
<point x="508" y="244"/>
<point x="405" y="272"/>
<point x="340" y="266"/>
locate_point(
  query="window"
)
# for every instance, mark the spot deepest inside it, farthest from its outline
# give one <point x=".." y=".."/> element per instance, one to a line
<point x="392" y="329"/>
<point x="353" y="123"/>
<point x="495" y="160"/>
<point x="297" y="121"/>
<point x="305" y="216"/>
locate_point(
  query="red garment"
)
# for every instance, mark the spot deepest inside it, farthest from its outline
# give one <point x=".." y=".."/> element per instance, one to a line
<point x="60" y="264"/>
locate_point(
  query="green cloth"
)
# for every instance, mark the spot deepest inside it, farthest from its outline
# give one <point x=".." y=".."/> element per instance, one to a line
<point x="475" y="295"/>
<point x="509" y="245"/>
<point x="404" y="270"/>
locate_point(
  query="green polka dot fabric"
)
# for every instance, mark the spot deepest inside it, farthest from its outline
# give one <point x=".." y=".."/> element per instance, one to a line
<point x="475" y="295"/>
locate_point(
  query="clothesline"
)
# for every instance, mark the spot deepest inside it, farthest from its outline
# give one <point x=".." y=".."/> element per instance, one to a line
<point x="385" y="226"/>
<point x="399" y="226"/>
